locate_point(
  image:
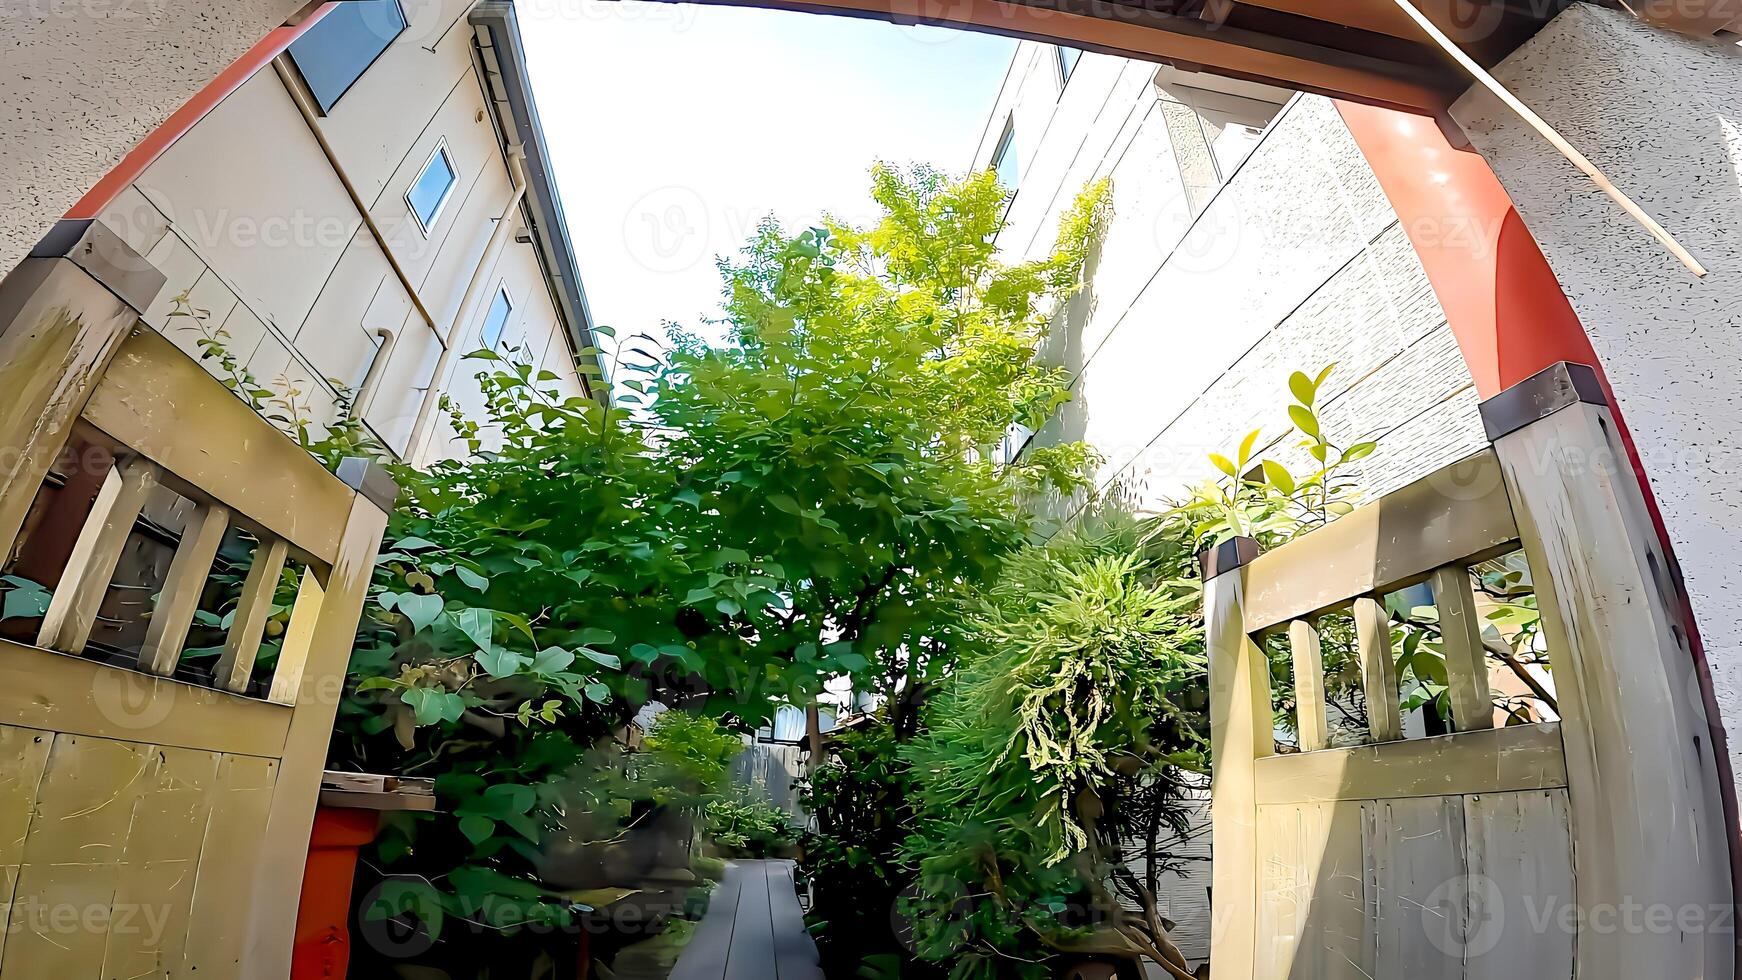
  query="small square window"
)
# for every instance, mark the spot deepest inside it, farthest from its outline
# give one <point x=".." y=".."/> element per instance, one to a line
<point x="340" y="47"/>
<point x="432" y="188"/>
<point x="1067" y="59"/>
<point x="496" y="320"/>
<point x="1004" y="161"/>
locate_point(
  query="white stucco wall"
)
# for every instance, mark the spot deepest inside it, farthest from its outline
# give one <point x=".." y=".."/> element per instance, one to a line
<point x="1661" y="115"/>
<point x="84" y="82"/>
<point x="1185" y="338"/>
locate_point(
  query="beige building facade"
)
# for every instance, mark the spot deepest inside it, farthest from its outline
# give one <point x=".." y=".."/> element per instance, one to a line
<point x="360" y="213"/>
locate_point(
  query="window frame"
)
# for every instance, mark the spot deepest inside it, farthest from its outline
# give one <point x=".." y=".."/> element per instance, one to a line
<point x="1007" y="144"/>
<point x="503" y="293"/>
<point x="326" y="106"/>
<point x="442" y="152"/>
<point x="1058" y="60"/>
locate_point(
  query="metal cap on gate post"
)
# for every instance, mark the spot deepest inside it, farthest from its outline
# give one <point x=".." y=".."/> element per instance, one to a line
<point x="1544" y="393"/>
<point x="370" y="479"/>
<point x="1227" y="556"/>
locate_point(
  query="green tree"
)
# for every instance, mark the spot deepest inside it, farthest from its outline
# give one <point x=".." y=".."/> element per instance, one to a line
<point x="810" y="499"/>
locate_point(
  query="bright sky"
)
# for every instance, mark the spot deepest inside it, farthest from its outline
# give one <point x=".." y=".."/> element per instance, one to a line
<point x="675" y="128"/>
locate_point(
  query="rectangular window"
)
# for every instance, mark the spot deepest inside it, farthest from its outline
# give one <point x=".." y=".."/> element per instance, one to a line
<point x="1213" y="131"/>
<point x="496" y="320"/>
<point x="432" y="188"/>
<point x="341" y="46"/>
<point x="1004" y="160"/>
<point x="1068" y="58"/>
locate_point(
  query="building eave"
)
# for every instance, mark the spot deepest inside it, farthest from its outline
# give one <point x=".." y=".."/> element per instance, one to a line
<point x="503" y="53"/>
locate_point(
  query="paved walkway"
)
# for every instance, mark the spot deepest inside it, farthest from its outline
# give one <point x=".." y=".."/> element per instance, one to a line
<point x="754" y="929"/>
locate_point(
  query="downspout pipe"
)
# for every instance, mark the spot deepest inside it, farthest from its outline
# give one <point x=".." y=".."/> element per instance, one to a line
<point x="424" y="426"/>
<point x="298" y="95"/>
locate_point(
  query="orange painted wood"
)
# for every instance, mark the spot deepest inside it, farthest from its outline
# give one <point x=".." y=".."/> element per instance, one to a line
<point x="323" y="939"/>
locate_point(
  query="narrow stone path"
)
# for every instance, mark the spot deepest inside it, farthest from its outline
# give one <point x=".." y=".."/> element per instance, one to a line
<point x="754" y="929"/>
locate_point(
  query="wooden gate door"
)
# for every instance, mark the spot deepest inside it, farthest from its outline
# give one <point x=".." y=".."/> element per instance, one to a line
<point x="1589" y="846"/>
<point x="155" y="809"/>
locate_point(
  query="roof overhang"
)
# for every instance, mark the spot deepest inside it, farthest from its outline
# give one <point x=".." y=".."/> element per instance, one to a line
<point x="503" y="55"/>
<point x="1363" y="50"/>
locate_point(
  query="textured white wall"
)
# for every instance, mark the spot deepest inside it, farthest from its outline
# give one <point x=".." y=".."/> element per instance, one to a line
<point x="1661" y="115"/>
<point x="1185" y="338"/>
<point x="84" y="82"/>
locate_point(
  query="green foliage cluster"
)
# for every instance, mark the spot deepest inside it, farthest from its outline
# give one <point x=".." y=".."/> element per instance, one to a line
<point x="743" y="521"/>
<point x="744" y="824"/>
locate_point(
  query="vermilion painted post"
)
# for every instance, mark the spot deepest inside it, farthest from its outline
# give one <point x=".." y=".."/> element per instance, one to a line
<point x="1506" y="309"/>
<point x="323" y="938"/>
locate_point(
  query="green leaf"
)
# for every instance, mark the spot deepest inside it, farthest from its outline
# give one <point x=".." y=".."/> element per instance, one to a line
<point x="472" y="578"/>
<point x="690" y="497"/>
<point x="602" y="659"/>
<point x="1303" y="388"/>
<point x="729" y="607"/>
<point x="598" y="693"/>
<point x="1224" y="464"/>
<point x="413" y="544"/>
<point x="478" y="624"/>
<point x="499" y="661"/>
<point x="26" y="599"/>
<point x="1304" y="420"/>
<point x="477" y="829"/>
<point x="605" y="331"/>
<point x="595" y="635"/>
<point x="1279" y="476"/>
<point x="1360" y="450"/>
<point x="422" y="610"/>
<point x="552" y="660"/>
<point x="1246" y="445"/>
<point x="430" y="705"/>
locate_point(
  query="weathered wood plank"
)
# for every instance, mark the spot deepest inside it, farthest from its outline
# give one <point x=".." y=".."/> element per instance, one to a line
<point x="57" y="692"/>
<point x="320" y="683"/>
<point x="180" y="597"/>
<point x="1498" y="760"/>
<point x="72" y="611"/>
<point x="253" y="608"/>
<point x="154" y="884"/>
<point x="59" y="329"/>
<point x="23" y="757"/>
<point x="66" y="884"/>
<point x="299" y="638"/>
<point x="1461" y="636"/>
<point x="1416" y="860"/>
<point x="1378" y="669"/>
<point x="1312" y="907"/>
<point x="1458" y="514"/>
<point x="1240" y="733"/>
<point x="1521" y="875"/>
<point x="1647" y="816"/>
<point x="1309" y="685"/>
<point x="225" y="891"/>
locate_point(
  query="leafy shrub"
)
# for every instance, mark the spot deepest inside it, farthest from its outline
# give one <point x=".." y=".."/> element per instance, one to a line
<point x="747" y="825"/>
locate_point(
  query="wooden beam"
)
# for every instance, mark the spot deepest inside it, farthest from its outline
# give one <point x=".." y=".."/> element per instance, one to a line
<point x="1461" y="641"/>
<point x="72" y="611"/>
<point x="160" y="403"/>
<point x="293" y="654"/>
<point x="1309" y="685"/>
<point x="1378" y="669"/>
<point x="1240" y="734"/>
<point x="1500" y="760"/>
<point x="1149" y="35"/>
<point x="1647" y="811"/>
<point x="182" y="587"/>
<point x="248" y="626"/>
<point x="59" y="328"/>
<point x="1459" y="513"/>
